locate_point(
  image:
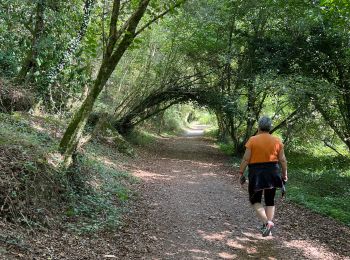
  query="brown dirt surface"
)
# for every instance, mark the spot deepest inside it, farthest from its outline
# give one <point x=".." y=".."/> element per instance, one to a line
<point x="190" y="206"/>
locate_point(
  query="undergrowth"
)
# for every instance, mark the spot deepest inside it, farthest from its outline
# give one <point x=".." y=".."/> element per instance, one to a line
<point x="97" y="202"/>
<point x="211" y="132"/>
<point x="321" y="183"/>
<point x="37" y="192"/>
<point x="226" y="148"/>
<point x="140" y="138"/>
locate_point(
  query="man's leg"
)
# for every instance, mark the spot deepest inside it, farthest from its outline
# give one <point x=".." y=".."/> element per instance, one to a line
<point x="269" y="196"/>
<point x="255" y="200"/>
<point x="270" y="212"/>
<point x="260" y="212"/>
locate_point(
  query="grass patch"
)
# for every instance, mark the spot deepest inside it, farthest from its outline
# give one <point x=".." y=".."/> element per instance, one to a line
<point x="16" y="129"/>
<point x="211" y="132"/>
<point x="172" y="133"/>
<point x="226" y="148"/>
<point x="321" y="183"/>
<point x="140" y="138"/>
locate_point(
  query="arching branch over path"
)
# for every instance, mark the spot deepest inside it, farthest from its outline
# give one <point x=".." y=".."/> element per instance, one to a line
<point x="180" y="91"/>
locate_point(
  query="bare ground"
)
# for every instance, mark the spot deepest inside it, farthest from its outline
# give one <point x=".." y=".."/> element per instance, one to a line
<point x="190" y="207"/>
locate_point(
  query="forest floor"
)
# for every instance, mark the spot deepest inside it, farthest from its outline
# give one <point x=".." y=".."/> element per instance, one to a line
<point x="191" y="206"/>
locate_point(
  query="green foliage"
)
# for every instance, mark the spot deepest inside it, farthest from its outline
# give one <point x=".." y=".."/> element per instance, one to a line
<point x="8" y="63"/>
<point x="337" y="10"/>
<point x="212" y="132"/>
<point x="61" y="22"/>
<point x="140" y="137"/>
<point x="173" y="120"/>
<point x="205" y="117"/>
<point x="226" y="148"/>
<point x="320" y="183"/>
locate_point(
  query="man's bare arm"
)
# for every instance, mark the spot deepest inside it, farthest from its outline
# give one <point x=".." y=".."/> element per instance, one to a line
<point x="245" y="160"/>
<point x="283" y="160"/>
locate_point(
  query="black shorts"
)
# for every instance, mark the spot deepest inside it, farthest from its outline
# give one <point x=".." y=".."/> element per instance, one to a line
<point x="269" y="196"/>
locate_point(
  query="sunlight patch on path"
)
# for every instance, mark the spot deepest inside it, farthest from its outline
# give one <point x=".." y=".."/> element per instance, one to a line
<point x="309" y="249"/>
<point x="146" y="175"/>
<point x="195" y="130"/>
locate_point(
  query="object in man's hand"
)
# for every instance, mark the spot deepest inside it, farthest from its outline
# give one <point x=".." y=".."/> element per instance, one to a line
<point x="242" y="179"/>
<point x="283" y="189"/>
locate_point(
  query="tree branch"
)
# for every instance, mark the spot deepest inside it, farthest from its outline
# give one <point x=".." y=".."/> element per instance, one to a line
<point x="127" y="24"/>
<point x="154" y="113"/>
<point x="284" y="122"/>
<point x="113" y="28"/>
<point x="332" y="147"/>
<point x="149" y="23"/>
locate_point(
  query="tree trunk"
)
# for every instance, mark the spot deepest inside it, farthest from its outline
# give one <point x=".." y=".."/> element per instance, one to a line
<point x="250" y="112"/>
<point x="30" y="60"/>
<point x="222" y="129"/>
<point x="75" y="129"/>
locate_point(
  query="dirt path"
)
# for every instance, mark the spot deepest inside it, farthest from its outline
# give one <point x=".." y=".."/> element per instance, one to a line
<point x="193" y="208"/>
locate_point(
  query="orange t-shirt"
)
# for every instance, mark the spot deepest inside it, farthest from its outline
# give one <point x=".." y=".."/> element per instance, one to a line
<point x="264" y="148"/>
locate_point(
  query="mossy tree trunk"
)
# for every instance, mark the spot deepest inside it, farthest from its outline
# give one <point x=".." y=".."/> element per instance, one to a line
<point x="112" y="57"/>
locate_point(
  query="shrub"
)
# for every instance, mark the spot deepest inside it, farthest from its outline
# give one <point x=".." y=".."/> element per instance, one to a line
<point x="14" y="98"/>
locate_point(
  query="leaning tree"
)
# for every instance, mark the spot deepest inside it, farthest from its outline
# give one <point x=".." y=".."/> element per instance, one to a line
<point x="125" y="25"/>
